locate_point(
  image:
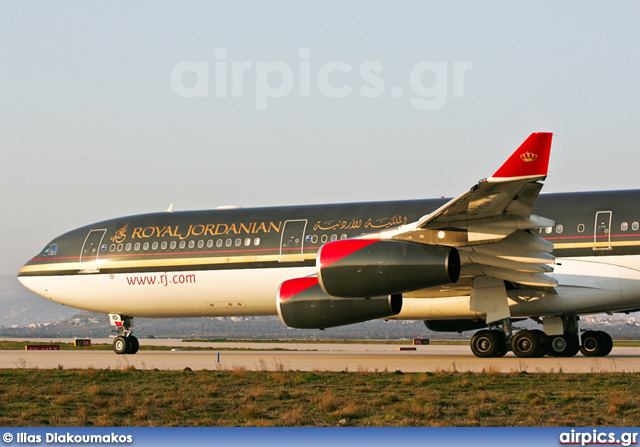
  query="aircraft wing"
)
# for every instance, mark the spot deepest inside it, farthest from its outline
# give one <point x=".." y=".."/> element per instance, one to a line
<point x="491" y="225"/>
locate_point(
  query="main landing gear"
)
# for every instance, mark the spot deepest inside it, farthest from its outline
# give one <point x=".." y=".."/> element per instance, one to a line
<point x="125" y="343"/>
<point x="529" y="343"/>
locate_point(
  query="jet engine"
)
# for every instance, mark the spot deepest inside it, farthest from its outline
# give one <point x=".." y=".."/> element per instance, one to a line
<point x="356" y="268"/>
<point x="302" y="304"/>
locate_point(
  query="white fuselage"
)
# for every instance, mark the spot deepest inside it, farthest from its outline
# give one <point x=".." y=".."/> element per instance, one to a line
<point x="586" y="285"/>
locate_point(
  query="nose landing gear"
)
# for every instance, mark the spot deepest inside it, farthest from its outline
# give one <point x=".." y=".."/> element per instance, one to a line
<point x="125" y="343"/>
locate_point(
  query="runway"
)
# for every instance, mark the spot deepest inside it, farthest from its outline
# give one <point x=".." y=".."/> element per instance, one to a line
<point x="315" y="357"/>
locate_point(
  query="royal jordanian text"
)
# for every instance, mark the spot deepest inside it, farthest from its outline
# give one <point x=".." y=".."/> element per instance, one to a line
<point x="68" y="438"/>
<point x="205" y="230"/>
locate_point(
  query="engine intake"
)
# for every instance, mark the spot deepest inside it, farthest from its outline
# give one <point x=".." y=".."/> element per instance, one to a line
<point x="363" y="267"/>
<point x="302" y="304"/>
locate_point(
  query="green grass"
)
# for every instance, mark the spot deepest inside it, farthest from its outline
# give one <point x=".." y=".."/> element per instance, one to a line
<point x="131" y="397"/>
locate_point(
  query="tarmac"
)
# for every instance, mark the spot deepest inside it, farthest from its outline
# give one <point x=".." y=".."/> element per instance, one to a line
<point x="313" y="357"/>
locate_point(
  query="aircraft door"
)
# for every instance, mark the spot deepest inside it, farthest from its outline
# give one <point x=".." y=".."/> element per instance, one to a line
<point x="292" y="242"/>
<point x="602" y="235"/>
<point x="91" y="251"/>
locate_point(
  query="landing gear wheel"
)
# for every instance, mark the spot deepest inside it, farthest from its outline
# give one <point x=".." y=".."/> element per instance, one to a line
<point x="526" y="344"/>
<point x="608" y="342"/>
<point x="502" y="352"/>
<point x="563" y="345"/>
<point x="121" y="345"/>
<point x="596" y="344"/>
<point x="544" y="341"/>
<point x="487" y="343"/>
<point x="134" y="345"/>
<point x="593" y="344"/>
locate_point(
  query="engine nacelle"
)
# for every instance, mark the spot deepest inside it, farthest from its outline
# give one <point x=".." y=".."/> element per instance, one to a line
<point x="364" y="267"/>
<point x="302" y="304"/>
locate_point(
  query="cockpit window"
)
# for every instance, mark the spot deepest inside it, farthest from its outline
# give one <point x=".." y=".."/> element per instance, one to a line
<point x="50" y="250"/>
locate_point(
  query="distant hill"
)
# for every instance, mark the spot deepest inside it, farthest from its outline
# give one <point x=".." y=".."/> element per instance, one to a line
<point x="89" y="324"/>
<point x="93" y="325"/>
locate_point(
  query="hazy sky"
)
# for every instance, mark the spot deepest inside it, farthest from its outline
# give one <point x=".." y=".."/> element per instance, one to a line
<point x="94" y="122"/>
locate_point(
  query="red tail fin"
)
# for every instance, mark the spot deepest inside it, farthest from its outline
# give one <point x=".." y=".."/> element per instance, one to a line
<point x="530" y="160"/>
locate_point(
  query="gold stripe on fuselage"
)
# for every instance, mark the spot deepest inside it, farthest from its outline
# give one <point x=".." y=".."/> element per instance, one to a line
<point x="179" y="262"/>
<point x="566" y="245"/>
<point x="105" y="263"/>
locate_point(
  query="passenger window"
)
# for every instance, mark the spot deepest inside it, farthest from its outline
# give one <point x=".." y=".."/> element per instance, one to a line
<point x="192" y="244"/>
<point x="581" y="228"/>
<point x="324" y="238"/>
<point x="145" y="246"/>
<point x="173" y="245"/>
<point x="200" y="243"/>
<point x="219" y="243"/>
<point x="256" y="241"/>
<point x="136" y="247"/>
<point x="247" y="242"/>
<point x="635" y="226"/>
<point x="559" y="229"/>
<point x="163" y="245"/>
<point x="344" y="236"/>
<point x="334" y="237"/>
<point x="154" y="246"/>
<point x="210" y="243"/>
<point x="128" y="247"/>
<point x="548" y="230"/>
<point x="119" y="247"/>
<point x="624" y="226"/>
<point x="238" y="242"/>
<point x="112" y="247"/>
<point x="314" y="239"/>
<point x="182" y="244"/>
<point x="229" y="243"/>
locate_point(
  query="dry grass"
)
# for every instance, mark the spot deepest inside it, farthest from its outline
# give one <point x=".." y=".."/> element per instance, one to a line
<point x="238" y="397"/>
<point x="618" y="402"/>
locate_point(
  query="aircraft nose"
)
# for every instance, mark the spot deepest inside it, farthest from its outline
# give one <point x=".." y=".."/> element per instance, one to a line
<point x="31" y="276"/>
<point x="34" y="284"/>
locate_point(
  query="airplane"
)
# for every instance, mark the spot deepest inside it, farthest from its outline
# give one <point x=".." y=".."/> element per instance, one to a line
<point x="498" y="254"/>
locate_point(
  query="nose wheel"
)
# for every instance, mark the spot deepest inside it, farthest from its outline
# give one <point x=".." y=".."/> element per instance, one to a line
<point x="125" y="343"/>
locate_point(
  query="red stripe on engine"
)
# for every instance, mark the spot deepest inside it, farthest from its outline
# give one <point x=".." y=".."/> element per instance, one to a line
<point x="295" y="286"/>
<point x="332" y="252"/>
